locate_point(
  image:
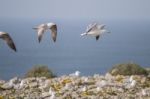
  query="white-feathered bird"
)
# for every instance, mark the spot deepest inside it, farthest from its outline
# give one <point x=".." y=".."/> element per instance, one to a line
<point x="84" y="88"/>
<point x="6" y="37"/>
<point x="76" y="74"/>
<point x="131" y="78"/>
<point x="98" y="88"/>
<point x="101" y="83"/>
<point x="44" y="27"/>
<point x="131" y="83"/>
<point x="52" y="94"/>
<point x="22" y="84"/>
<point x="95" y="30"/>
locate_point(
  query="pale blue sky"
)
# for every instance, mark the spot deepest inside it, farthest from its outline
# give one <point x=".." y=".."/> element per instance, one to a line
<point x="76" y="9"/>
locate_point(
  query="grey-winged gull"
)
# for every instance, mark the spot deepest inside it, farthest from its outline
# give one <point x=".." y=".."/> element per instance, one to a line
<point x="6" y="37"/>
<point x="95" y="30"/>
<point x="44" y="27"/>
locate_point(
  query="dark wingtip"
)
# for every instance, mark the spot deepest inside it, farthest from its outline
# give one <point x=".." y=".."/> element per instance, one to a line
<point x="54" y="41"/>
<point x="97" y="37"/>
<point x="15" y="49"/>
<point x="39" y="40"/>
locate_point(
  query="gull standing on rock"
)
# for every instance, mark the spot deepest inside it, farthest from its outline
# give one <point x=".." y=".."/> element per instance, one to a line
<point x="76" y="74"/>
<point x="44" y="27"/>
<point x="95" y="30"/>
<point x="102" y="83"/>
<point x="52" y="94"/>
<point x="132" y="81"/>
<point x="5" y="36"/>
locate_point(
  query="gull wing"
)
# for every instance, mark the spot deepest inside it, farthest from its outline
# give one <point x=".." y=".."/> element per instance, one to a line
<point x="102" y="26"/>
<point x="91" y="27"/>
<point x="40" y="33"/>
<point x="9" y="41"/>
<point x="40" y="26"/>
<point x="53" y="29"/>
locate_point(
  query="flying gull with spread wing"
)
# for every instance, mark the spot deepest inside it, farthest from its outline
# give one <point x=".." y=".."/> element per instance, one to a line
<point x="44" y="27"/>
<point x="95" y="30"/>
<point x="6" y="37"/>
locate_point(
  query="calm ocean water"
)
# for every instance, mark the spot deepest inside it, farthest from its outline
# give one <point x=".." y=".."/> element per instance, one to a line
<point x="127" y="42"/>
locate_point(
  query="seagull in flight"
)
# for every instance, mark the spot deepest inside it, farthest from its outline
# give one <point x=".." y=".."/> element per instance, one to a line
<point x="95" y="30"/>
<point x="44" y="27"/>
<point x="5" y="36"/>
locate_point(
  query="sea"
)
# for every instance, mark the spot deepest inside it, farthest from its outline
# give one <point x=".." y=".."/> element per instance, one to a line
<point x="129" y="41"/>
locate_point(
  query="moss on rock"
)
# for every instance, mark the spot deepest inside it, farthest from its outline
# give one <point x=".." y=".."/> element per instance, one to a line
<point x="40" y="71"/>
<point x="127" y="69"/>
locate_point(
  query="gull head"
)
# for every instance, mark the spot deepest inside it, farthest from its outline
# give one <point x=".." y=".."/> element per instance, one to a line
<point x="131" y="78"/>
<point x="50" y="24"/>
<point x="1" y="33"/>
<point x="83" y="34"/>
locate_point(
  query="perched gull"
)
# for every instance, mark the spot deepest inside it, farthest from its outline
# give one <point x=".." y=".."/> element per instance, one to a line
<point x="98" y="88"/>
<point x="22" y="84"/>
<point x="84" y="88"/>
<point x="102" y="83"/>
<point x="44" y="27"/>
<point x="5" y="36"/>
<point x="133" y="83"/>
<point x="76" y="74"/>
<point x="131" y="78"/>
<point x="95" y="30"/>
<point x="52" y="94"/>
<point x="130" y="83"/>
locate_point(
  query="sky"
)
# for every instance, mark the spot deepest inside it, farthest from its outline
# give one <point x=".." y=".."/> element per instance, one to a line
<point x="76" y="9"/>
